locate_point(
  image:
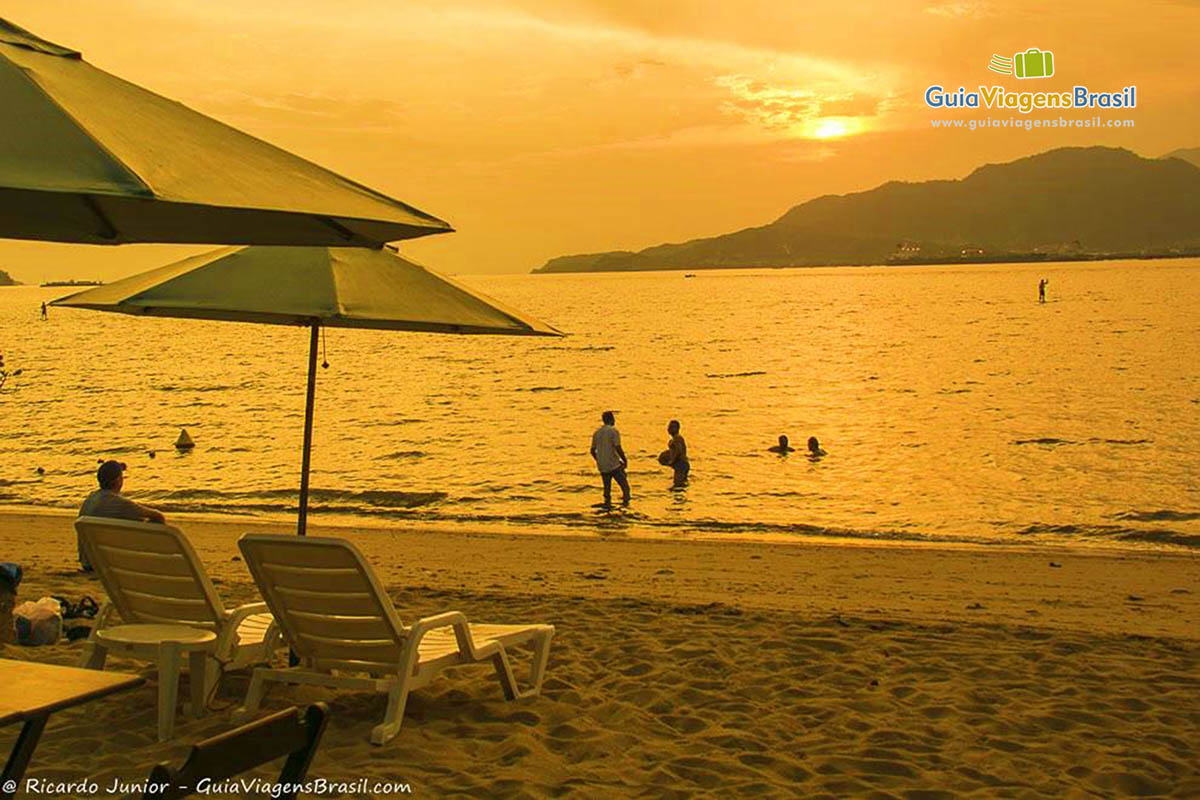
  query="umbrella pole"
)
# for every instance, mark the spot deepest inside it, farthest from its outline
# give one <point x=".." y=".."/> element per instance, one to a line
<point x="308" y="422"/>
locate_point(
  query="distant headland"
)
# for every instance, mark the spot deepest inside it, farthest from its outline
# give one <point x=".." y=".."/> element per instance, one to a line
<point x="1067" y="204"/>
<point x="8" y="280"/>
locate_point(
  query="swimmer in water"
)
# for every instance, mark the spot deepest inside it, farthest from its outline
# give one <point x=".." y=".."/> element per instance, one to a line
<point x="814" y="448"/>
<point x="783" y="448"/>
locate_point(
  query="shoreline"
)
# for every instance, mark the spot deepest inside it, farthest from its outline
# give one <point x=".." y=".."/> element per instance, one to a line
<point x="1016" y="259"/>
<point x="618" y="526"/>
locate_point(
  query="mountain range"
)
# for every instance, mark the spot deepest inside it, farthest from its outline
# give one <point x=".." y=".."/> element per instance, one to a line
<point x="1076" y="201"/>
<point x="1190" y="154"/>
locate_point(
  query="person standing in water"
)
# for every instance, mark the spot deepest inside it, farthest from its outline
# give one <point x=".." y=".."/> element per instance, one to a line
<point x="675" y="455"/>
<point x="610" y="458"/>
<point x="1042" y="290"/>
<point x="44" y="316"/>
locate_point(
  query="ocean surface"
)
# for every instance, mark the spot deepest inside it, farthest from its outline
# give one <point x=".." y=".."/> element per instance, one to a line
<point x="953" y="407"/>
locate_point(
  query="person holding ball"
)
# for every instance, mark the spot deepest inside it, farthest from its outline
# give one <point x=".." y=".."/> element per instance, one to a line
<point x="675" y="456"/>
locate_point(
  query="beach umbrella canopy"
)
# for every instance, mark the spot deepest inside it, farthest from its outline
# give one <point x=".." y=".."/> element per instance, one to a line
<point x="344" y="287"/>
<point x="90" y="158"/>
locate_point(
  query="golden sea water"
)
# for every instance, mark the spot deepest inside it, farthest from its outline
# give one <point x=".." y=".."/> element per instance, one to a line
<point x="952" y="404"/>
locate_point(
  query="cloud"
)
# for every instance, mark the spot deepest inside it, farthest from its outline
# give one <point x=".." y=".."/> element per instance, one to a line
<point x="852" y="105"/>
<point x="791" y="112"/>
<point x="961" y="9"/>
<point x="637" y="69"/>
<point x="606" y="80"/>
<point x="314" y="111"/>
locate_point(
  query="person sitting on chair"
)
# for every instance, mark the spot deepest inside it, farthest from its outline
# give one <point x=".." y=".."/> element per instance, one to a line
<point x="108" y="502"/>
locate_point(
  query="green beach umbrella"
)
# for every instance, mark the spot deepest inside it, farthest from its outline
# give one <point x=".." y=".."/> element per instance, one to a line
<point x="87" y="157"/>
<point x="340" y="287"/>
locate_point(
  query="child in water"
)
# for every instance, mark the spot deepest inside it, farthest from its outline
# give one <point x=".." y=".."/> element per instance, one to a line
<point x="675" y="456"/>
<point x="814" y="448"/>
<point x="783" y="447"/>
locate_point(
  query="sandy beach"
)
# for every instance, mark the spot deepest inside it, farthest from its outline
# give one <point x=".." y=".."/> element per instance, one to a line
<point x="684" y="668"/>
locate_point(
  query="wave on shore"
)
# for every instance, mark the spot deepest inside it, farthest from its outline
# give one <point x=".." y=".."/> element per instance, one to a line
<point x="437" y="507"/>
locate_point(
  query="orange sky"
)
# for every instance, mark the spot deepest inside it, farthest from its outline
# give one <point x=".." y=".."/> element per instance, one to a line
<point x="545" y="127"/>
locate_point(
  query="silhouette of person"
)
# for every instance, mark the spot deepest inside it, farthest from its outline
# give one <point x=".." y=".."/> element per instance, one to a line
<point x="107" y="501"/>
<point x="43" y="309"/>
<point x="783" y="448"/>
<point x="610" y="458"/>
<point x="4" y="373"/>
<point x="814" y="448"/>
<point x="676" y="456"/>
<point x="1042" y="290"/>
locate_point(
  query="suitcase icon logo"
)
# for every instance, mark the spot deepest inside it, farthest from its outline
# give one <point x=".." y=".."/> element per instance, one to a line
<point x="1033" y="63"/>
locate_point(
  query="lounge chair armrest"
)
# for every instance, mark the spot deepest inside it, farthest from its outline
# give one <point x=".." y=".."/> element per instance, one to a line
<point x="234" y="618"/>
<point x="238" y="615"/>
<point x="449" y="619"/>
<point x="446" y="619"/>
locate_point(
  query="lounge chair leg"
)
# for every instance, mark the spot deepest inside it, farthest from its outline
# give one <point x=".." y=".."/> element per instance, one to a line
<point x="213" y="672"/>
<point x="198" y="681"/>
<point x="392" y="719"/>
<point x="93" y="656"/>
<point x="537" y="668"/>
<point x="272" y="641"/>
<point x="168" y="688"/>
<point x="504" y="672"/>
<point x="254" y="695"/>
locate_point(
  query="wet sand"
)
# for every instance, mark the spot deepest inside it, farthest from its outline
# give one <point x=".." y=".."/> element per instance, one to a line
<point x="731" y="668"/>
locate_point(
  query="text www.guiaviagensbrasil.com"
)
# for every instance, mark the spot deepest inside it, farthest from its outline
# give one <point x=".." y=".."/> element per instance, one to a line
<point x="1024" y="124"/>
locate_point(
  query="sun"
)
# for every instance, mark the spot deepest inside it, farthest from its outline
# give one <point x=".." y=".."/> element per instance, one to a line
<point x="833" y="128"/>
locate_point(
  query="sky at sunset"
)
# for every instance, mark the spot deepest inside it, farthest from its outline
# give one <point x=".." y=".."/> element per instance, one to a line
<point x="545" y="127"/>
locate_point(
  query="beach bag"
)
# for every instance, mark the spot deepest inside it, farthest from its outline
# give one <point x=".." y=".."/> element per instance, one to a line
<point x="38" y="623"/>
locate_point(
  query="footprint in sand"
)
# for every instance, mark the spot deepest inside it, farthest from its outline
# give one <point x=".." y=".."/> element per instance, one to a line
<point x="638" y="669"/>
<point x="523" y="718"/>
<point x="513" y="755"/>
<point x="688" y="725"/>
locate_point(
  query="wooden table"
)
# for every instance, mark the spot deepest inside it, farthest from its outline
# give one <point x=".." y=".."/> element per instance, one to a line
<point x="33" y="691"/>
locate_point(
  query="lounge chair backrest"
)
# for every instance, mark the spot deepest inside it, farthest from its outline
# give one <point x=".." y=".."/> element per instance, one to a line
<point x="151" y="572"/>
<point x="326" y="598"/>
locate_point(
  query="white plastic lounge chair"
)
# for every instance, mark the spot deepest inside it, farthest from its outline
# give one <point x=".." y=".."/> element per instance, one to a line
<point x="155" y="584"/>
<point x="337" y="618"/>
